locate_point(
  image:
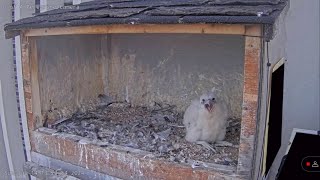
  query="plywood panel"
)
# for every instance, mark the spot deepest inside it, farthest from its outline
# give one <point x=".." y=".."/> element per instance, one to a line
<point x="142" y="28"/>
<point x="175" y="68"/>
<point x="70" y="74"/>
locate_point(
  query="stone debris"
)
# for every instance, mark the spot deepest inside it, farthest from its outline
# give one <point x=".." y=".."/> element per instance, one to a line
<point x="158" y="130"/>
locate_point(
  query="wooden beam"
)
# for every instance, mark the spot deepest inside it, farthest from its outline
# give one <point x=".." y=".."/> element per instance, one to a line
<point x="253" y="30"/>
<point x="113" y="160"/>
<point x="234" y="29"/>
<point x="25" y="60"/>
<point x="35" y="92"/>
<point x="30" y="84"/>
<point x="250" y="101"/>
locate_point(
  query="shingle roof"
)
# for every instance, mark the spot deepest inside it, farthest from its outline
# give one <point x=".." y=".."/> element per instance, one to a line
<point x="100" y="12"/>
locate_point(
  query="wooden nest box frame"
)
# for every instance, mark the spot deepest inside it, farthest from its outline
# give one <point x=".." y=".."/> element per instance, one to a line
<point x="72" y="149"/>
<point x="121" y="163"/>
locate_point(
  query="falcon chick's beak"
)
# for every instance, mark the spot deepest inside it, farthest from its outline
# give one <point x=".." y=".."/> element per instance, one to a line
<point x="209" y="106"/>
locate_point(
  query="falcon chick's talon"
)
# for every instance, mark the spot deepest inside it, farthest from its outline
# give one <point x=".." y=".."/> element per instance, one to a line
<point x="206" y="145"/>
<point x="224" y="144"/>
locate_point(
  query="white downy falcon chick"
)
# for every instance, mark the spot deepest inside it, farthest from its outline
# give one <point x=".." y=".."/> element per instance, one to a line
<point x="206" y="120"/>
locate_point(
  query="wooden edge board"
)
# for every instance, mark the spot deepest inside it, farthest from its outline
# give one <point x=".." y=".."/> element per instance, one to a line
<point x="252" y="58"/>
<point x="232" y="29"/>
<point x="119" y="162"/>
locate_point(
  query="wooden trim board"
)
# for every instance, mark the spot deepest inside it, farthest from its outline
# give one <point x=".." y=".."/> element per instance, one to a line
<point x="232" y="29"/>
<point x="118" y="161"/>
<point x="250" y="103"/>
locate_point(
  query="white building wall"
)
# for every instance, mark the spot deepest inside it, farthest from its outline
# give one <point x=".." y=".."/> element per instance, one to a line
<point x="46" y="5"/>
<point x="80" y="1"/>
<point x="23" y="8"/>
<point x="297" y="40"/>
<point x="10" y="137"/>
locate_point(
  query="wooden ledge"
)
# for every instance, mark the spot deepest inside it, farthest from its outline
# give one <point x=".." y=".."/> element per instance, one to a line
<point x="118" y="161"/>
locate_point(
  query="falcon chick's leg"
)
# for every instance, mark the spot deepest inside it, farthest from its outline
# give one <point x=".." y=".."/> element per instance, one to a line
<point x="223" y="144"/>
<point x="206" y="145"/>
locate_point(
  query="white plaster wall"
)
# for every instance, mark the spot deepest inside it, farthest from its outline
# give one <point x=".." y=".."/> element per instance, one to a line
<point x="23" y="9"/>
<point x="80" y="1"/>
<point x="297" y="40"/>
<point x="10" y="128"/>
<point x="47" y="5"/>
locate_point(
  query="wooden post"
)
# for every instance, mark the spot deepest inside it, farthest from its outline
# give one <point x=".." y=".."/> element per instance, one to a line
<point x="31" y="84"/>
<point x="250" y="100"/>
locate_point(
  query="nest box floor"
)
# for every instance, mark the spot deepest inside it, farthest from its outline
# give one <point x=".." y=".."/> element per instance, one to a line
<point x="158" y="130"/>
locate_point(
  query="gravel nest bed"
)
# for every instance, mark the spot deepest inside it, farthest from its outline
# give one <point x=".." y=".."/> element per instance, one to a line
<point x="158" y="130"/>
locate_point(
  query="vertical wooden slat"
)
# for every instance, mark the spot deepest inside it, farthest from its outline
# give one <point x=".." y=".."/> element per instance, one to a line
<point x="27" y="80"/>
<point x="35" y="92"/>
<point x="31" y="84"/>
<point x="250" y="101"/>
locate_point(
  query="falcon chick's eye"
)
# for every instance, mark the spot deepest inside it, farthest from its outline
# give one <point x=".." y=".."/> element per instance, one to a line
<point x="213" y="99"/>
<point x="203" y="100"/>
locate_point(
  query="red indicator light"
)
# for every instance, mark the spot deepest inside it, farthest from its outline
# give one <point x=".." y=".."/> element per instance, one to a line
<point x="307" y="164"/>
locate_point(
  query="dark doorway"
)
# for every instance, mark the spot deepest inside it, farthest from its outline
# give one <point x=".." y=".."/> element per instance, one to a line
<point x="275" y="114"/>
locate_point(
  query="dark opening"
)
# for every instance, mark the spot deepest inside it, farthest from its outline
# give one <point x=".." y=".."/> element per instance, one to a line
<point x="304" y="150"/>
<point x="275" y="116"/>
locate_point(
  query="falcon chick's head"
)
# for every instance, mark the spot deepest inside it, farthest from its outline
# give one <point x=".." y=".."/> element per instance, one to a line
<point x="208" y="101"/>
